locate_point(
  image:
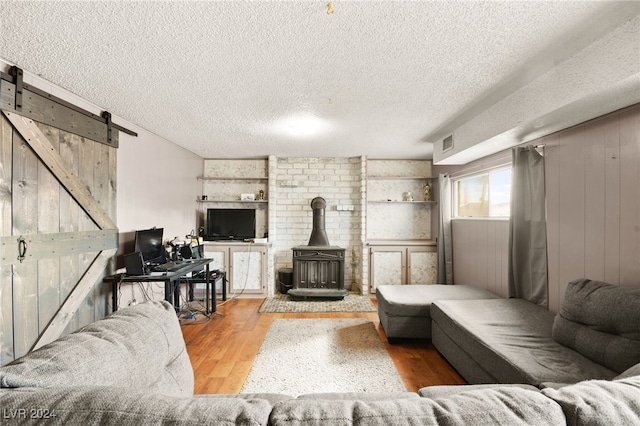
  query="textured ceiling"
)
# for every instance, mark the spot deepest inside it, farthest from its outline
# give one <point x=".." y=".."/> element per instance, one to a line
<point x="224" y="79"/>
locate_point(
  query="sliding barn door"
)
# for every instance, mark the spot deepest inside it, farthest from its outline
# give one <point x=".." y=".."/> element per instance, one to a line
<point x="57" y="231"/>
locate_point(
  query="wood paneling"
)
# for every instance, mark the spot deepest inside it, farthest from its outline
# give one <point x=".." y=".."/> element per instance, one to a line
<point x="552" y="173"/>
<point x="25" y="222"/>
<point x="630" y="197"/>
<point x="571" y="188"/>
<point x="55" y="185"/>
<point x="6" y="213"/>
<point x="592" y="174"/>
<point x="593" y="171"/>
<point x="480" y="254"/>
<point x="611" y="199"/>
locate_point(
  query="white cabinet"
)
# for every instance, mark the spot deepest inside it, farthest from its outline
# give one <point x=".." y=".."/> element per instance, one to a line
<point x="248" y="269"/>
<point x="400" y="222"/>
<point x="400" y="263"/>
<point x="244" y="264"/>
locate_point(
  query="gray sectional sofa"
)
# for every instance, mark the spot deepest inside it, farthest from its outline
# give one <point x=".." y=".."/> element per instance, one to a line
<point x="596" y="335"/>
<point x="405" y="310"/>
<point x="488" y="339"/>
<point x="132" y="368"/>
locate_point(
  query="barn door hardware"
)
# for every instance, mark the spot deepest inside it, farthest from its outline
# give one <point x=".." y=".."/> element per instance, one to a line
<point x="17" y="75"/>
<point x="22" y="248"/>
<point x="107" y="118"/>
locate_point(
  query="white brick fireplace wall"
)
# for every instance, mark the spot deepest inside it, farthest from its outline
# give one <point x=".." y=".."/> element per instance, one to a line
<point x="293" y="183"/>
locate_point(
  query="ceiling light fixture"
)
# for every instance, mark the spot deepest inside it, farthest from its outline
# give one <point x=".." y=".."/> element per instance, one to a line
<point x="303" y="125"/>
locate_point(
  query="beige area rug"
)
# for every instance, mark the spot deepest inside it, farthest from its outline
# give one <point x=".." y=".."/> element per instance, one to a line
<point x="301" y="356"/>
<point x="281" y="303"/>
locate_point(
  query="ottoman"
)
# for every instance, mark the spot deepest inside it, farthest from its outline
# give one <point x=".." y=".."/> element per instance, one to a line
<point x="405" y="310"/>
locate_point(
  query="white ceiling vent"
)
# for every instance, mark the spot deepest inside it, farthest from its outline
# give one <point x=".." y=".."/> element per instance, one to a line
<point x="447" y="143"/>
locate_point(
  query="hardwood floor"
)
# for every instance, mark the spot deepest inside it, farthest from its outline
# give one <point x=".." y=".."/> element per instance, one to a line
<point x="222" y="350"/>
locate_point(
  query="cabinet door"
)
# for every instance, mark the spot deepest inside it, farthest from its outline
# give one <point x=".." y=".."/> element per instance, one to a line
<point x="218" y="254"/>
<point x="248" y="269"/>
<point x="220" y="261"/>
<point x="387" y="266"/>
<point x="422" y="265"/>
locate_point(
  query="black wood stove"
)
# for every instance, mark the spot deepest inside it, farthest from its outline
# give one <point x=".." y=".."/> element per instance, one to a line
<point x="318" y="268"/>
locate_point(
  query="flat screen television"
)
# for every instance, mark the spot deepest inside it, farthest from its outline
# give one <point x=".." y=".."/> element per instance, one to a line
<point x="149" y="243"/>
<point x="230" y="224"/>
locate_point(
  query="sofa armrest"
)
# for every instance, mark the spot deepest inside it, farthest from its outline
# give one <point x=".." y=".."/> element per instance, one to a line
<point x="599" y="402"/>
<point x="84" y="405"/>
<point x="139" y="347"/>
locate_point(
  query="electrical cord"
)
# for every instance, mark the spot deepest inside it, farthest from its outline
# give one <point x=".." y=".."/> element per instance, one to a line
<point x="246" y="278"/>
<point x="188" y="310"/>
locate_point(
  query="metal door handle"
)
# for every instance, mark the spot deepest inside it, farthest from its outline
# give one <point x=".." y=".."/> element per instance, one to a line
<point x="22" y="248"/>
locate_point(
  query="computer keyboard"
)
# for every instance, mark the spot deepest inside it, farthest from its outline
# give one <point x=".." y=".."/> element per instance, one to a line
<point x="169" y="267"/>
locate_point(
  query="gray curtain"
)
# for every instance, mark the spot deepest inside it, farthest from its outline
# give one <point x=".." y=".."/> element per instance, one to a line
<point x="445" y="251"/>
<point x="528" y="228"/>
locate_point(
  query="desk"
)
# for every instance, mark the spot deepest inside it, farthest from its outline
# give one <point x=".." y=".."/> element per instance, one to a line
<point x="171" y="290"/>
<point x="215" y="276"/>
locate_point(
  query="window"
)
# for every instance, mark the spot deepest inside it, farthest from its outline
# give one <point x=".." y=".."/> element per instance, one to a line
<point x="483" y="195"/>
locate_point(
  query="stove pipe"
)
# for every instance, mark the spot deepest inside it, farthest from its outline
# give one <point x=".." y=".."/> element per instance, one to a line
<point x="318" y="234"/>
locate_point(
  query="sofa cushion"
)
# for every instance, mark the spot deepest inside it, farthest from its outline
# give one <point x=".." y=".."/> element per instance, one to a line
<point x="599" y="402"/>
<point x="140" y="347"/>
<point x="511" y="340"/>
<point x="415" y="299"/>
<point x="93" y="405"/>
<point x="602" y="322"/>
<point x="487" y="407"/>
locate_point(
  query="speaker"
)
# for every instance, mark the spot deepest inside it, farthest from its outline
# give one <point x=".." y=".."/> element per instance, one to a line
<point x="134" y="264"/>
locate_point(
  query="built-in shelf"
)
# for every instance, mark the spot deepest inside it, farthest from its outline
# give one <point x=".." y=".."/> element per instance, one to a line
<point x="402" y="202"/>
<point x="400" y="178"/>
<point x="234" y="201"/>
<point x="400" y="242"/>
<point x="232" y="178"/>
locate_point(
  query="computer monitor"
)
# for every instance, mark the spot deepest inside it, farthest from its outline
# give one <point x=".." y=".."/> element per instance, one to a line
<point x="149" y="244"/>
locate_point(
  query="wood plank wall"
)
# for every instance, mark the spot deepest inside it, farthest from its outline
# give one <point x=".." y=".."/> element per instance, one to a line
<point x="593" y="212"/>
<point x="593" y="202"/>
<point x="33" y="201"/>
<point x="480" y="249"/>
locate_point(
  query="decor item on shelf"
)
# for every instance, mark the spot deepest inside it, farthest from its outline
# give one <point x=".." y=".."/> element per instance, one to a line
<point x="408" y="196"/>
<point x="261" y="195"/>
<point x="427" y="191"/>
<point x="248" y="197"/>
<point x="204" y="198"/>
